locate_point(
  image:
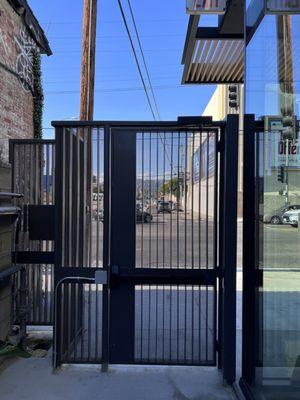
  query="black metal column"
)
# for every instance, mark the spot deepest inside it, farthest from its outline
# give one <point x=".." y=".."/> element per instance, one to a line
<point x="122" y="244"/>
<point x="58" y="239"/>
<point x="106" y="244"/>
<point x="248" y="356"/>
<point x="229" y="246"/>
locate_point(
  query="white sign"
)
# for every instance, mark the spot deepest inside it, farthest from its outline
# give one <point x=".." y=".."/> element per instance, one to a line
<point x="283" y="6"/>
<point x="206" y="6"/>
<point x="293" y="154"/>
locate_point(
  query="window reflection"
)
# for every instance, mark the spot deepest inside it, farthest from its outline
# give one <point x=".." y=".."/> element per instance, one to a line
<point x="272" y="93"/>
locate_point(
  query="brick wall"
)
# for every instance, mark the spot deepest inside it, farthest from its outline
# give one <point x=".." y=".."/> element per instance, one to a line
<point x="16" y="99"/>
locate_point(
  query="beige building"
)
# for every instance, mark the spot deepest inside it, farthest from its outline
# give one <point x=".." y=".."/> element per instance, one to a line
<point x="218" y="108"/>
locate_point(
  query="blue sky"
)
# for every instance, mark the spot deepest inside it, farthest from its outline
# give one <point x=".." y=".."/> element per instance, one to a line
<point x="118" y="95"/>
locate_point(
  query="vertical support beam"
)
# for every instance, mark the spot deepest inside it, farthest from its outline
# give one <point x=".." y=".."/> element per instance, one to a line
<point x="229" y="245"/>
<point x="123" y="210"/>
<point x="249" y="267"/>
<point x="58" y="239"/>
<point x="220" y="237"/>
<point x="106" y="246"/>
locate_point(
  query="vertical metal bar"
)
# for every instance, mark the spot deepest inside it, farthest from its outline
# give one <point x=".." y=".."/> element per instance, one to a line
<point x="249" y="258"/>
<point x="185" y="242"/>
<point x="163" y="239"/>
<point x="215" y="235"/>
<point x="123" y="235"/>
<point x="150" y="193"/>
<point x="143" y="196"/>
<point x="207" y="241"/>
<point x="200" y="235"/>
<point x="229" y="250"/>
<point x="192" y="178"/>
<point x="171" y="239"/>
<point x="179" y="188"/>
<point x="177" y="236"/>
<point x="142" y="241"/>
<point x="221" y="246"/>
<point x="58" y="241"/>
<point x="106" y="243"/>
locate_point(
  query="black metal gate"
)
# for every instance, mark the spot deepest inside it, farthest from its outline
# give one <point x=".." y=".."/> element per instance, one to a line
<point x="145" y="242"/>
<point x="33" y="176"/>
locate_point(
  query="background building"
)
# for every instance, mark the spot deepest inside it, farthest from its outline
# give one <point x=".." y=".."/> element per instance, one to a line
<point x="20" y="38"/>
<point x="21" y="42"/>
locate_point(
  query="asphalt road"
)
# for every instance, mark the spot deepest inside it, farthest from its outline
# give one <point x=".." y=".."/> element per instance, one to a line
<point x="185" y="242"/>
<point x="170" y="241"/>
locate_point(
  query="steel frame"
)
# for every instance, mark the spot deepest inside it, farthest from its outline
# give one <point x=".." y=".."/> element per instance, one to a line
<point x="116" y="347"/>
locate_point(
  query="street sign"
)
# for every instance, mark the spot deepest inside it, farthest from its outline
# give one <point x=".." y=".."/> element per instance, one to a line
<point x="206" y="6"/>
<point x="282" y="6"/>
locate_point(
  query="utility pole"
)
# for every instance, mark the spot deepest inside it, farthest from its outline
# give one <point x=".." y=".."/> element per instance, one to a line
<point x="88" y="60"/>
<point x="87" y="108"/>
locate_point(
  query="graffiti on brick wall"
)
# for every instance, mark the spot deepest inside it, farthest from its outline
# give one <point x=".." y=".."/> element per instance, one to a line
<point x="4" y="47"/>
<point x="25" y="46"/>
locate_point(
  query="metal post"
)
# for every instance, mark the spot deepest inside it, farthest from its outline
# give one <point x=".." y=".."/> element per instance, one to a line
<point x="122" y="246"/>
<point x="229" y="250"/>
<point x="249" y="228"/>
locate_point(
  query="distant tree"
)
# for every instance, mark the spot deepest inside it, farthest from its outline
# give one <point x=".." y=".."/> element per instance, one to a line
<point x="171" y="187"/>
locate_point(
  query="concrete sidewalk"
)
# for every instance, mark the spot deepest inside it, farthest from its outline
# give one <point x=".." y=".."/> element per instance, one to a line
<point x="30" y="379"/>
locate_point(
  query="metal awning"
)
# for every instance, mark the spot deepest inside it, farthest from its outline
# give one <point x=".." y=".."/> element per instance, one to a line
<point x="211" y="56"/>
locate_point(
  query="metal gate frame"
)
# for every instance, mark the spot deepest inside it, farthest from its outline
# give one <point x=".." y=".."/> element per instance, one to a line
<point x="116" y="348"/>
<point x="33" y="175"/>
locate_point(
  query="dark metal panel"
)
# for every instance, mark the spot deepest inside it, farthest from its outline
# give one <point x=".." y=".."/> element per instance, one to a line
<point x="249" y="267"/>
<point x="215" y="33"/>
<point x="41" y="222"/>
<point x="106" y="245"/>
<point x="58" y="242"/>
<point x="229" y="245"/>
<point x="221" y="246"/>
<point x="233" y="20"/>
<point x="34" y="257"/>
<point x="123" y="209"/>
<point x="163" y="276"/>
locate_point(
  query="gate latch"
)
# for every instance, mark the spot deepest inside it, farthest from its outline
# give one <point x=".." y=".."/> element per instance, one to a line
<point x="101" y="277"/>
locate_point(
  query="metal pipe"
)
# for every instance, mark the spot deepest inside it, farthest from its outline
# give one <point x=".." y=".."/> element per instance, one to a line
<point x="76" y="279"/>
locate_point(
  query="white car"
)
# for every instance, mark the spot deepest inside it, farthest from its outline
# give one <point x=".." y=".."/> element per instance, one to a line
<point x="291" y="217"/>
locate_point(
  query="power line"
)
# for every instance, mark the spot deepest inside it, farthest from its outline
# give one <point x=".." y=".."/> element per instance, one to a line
<point x="143" y="57"/>
<point x="117" y="51"/>
<point x="110" y="80"/>
<point x="112" y="36"/>
<point x="148" y="76"/>
<point x="136" y="58"/>
<point x="171" y="21"/>
<point x="128" y="89"/>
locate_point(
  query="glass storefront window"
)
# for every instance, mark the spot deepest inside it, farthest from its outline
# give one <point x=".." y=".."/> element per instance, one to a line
<point x="272" y="93"/>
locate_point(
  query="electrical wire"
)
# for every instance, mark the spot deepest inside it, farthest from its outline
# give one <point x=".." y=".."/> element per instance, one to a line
<point x="143" y="57"/>
<point x="148" y="76"/>
<point x="136" y="58"/>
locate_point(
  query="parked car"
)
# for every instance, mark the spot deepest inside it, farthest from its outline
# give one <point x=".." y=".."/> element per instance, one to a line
<point x="140" y="215"/>
<point x="143" y="216"/>
<point x="99" y="215"/>
<point x="276" y="217"/>
<point x="164" y="207"/>
<point x="177" y="207"/>
<point x="291" y="218"/>
<point x="294" y="221"/>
